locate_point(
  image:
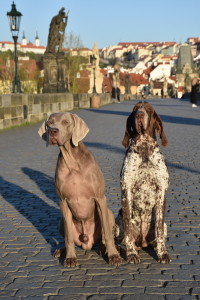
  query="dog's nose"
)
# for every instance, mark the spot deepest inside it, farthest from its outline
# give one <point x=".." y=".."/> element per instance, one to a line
<point x="53" y="131"/>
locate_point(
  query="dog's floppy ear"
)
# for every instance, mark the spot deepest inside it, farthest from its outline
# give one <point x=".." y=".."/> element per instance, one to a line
<point x="125" y="141"/>
<point x="43" y="133"/>
<point x="130" y="129"/>
<point x="42" y="129"/>
<point x="80" y="129"/>
<point x="160" y="130"/>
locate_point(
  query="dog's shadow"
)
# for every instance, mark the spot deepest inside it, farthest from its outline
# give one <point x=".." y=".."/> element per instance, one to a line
<point x="43" y="216"/>
<point x="44" y="182"/>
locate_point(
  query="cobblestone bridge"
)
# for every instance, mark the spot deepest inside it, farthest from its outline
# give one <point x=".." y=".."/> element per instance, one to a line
<point x="29" y="213"/>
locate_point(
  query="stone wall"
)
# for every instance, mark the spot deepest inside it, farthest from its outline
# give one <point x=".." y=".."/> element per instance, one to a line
<point x="17" y="109"/>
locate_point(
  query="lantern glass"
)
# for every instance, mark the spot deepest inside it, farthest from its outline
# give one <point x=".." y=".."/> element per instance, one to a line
<point x="14" y="18"/>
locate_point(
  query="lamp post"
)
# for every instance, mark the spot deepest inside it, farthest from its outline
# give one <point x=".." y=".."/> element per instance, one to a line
<point x="14" y="18"/>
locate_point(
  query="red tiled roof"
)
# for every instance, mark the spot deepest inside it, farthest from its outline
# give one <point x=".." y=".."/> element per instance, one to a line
<point x="83" y="84"/>
<point x="107" y="84"/>
<point x="137" y="79"/>
<point x="148" y="70"/>
<point x="173" y="78"/>
<point x="103" y="71"/>
<point x="28" y="67"/>
<point x="84" y="73"/>
<point x="28" y="45"/>
<point x="145" y="43"/>
<point x="31" y="45"/>
<point x="9" y="43"/>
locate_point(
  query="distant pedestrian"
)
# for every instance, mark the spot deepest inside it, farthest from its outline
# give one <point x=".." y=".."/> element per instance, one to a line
<point x="194" y="91"/>
<point x="118" y="94"/>
<point x="162" y="92"/>
<point x="113" y="94"/>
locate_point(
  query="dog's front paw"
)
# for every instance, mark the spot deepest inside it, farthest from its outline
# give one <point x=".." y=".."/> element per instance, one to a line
<point x="114" y="260"/>
<point x="71" y="262"/>
<point x="133" y="259"/>
<point x="164" y="258"/>
<point x="59" y="252"/>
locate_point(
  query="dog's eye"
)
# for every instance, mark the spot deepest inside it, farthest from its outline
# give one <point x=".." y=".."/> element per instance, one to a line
<point x="65" y="122"/>
<point x="50" y="122"/>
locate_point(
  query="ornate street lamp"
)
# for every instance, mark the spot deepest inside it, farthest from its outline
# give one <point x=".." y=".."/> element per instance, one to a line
<point x="14" y="18"/>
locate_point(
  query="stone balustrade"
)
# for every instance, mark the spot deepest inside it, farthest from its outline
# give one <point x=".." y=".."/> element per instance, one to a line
<point x="18" y="109"/>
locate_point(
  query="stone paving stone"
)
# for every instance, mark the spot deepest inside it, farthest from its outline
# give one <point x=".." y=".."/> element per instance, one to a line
<point x="196" y="291"/>
<point x="103" y="283"/>
<point x="29" y="213"/>
<point x="121" y="290"/>
<point x="183" y="283"/>
<point x="142" y="297"/>
<point x="78" y="290"/>
<point x="142" y="283"/>
<point x="104" y="297"/>
<point x="178" y="297"/>
<point x="67" y="297"/>
<point x="167" y="290"/>
<point x="35" y="292"/>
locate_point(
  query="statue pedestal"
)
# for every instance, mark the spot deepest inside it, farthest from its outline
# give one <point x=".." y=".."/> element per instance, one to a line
<point x="54" y="73"/>
<point x="95" y="101"/>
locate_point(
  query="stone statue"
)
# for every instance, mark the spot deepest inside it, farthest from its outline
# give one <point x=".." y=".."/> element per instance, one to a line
<point x="56" y="32"/>
<point x="96" y="77"/>
<point x="95" y="53"/>
<point x="165" y="87"/>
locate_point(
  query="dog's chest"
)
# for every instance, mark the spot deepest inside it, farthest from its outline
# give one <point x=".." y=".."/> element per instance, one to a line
<point x="142" y="181"/>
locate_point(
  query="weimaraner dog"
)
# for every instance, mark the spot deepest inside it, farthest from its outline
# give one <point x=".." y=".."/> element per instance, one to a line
<point x="79" y="183"/>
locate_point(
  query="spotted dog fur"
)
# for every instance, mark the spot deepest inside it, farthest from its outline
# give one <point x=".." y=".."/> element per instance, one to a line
<point x="144" y="181"/>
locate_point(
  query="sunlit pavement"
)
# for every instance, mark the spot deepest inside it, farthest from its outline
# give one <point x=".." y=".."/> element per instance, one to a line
<point x="30" y="213"/>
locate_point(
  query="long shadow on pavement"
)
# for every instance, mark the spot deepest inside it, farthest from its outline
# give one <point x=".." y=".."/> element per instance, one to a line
<point x="44" y="182"/>
<point x="44" y="217"/>
<point x="165" y="118"/>
<point x="180" y="120"/>
<point x="181" y="167"/>
<point x="105" y="147"/>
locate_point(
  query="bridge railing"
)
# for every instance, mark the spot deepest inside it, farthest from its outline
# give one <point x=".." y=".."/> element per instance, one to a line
<point x="18" y="109"/>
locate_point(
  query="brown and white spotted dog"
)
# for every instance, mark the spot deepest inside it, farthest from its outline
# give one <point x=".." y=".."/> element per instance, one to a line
<point x="144" y="181"/>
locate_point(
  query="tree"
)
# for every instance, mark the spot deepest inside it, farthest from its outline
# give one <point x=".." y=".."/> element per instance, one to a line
<point x="72" y="41"/>
<point x="73" y="62"/>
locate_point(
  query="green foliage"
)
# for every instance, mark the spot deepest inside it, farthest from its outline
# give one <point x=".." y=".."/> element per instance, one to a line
<point x="25" y="72"/>
<point x="103" y="65"/>
<point x="6" y="71"/>
<point x="73" y="67"/>
<point x="4" y="55"/>
<point x="31" y="55"/>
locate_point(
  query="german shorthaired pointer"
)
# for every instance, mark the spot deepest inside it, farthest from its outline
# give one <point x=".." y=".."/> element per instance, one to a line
<point x="79" y="183"/>
<point x="144" y="181"/>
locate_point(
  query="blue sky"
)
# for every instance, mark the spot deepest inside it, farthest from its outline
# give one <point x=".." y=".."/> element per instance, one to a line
<point x="108" y="22"/>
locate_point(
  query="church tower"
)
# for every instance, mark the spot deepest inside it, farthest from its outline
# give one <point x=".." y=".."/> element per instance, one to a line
<point x="24" y="42"/>
<point x="37" y="41"/>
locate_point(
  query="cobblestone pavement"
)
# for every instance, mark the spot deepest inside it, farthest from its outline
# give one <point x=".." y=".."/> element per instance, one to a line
<point x="29" y="213"/>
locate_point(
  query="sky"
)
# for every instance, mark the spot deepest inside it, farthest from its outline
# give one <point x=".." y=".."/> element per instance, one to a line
<point x="107" y="22"/>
